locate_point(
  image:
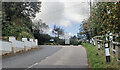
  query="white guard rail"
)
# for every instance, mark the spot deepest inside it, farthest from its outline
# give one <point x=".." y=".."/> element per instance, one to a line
<point x="5" y="47"/>
<point x="17" y="46"/>
<point x="27" y="45"/>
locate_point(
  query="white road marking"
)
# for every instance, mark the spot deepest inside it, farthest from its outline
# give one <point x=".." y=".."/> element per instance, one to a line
<point x="35" y="64"/>
<point x="32" y="65"/>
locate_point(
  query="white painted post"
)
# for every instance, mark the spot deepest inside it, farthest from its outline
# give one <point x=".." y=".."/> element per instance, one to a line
<point x="110" y="37"/>
<point x="24" y="39"/>
<point x="25" y="44"/>
<point x="98" y="45"/>
<point x="91" y="41"/>
<point x="107" y="50"/>
<point x="107" y="53"/>
<point x="12" y="39"/>
<point x="31" y="40"/>
<point x="94" y="43"/>
<point x="36" y="41"/>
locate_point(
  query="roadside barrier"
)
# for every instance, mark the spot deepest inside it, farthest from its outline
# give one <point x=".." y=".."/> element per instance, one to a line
<point x="6" y="47"/>
<point x="14" y="46"/>
<point x="112" y="48"/>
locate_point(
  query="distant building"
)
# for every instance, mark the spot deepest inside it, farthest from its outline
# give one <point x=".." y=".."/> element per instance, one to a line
<point x="67" y="41"/>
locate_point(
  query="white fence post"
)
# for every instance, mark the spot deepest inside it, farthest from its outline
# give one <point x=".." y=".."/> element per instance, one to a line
<point x="16" y="45"/>
<point x="12" y="39"/>
<point x="32" y="42"/>
<point x="25" y="44"/>
<point x="36" y="41"/>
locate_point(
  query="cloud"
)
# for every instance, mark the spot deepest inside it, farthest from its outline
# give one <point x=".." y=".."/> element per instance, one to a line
<point x="51" y="12"/>
<point x="64" y="0"/>
<point x="48" y="31"/>
<point x="68" y="35"/>
<point x="56" y="12"/>
<point x="63" y="13"/>
<point x="77" y="11"/>
<point x="65" y="23"/>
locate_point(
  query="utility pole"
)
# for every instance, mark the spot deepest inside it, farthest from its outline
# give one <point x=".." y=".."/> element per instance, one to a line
<point x="90" y="19"/>
<point x="90" y="8"/>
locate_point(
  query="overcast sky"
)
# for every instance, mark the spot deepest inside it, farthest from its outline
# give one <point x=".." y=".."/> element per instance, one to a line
<point x="68" y="14"/>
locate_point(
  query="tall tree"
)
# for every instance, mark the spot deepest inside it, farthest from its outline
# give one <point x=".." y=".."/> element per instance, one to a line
<point x="58" y="31"/>
<point x="39" y="26"/>
<point x="105" y="18"/>
<point x="17" y="16"/>
<point x="85" y="30"/>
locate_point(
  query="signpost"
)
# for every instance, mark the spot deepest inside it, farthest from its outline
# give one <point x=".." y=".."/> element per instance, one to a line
<point x="107" y="50"/>
<point x="98" y="45"/>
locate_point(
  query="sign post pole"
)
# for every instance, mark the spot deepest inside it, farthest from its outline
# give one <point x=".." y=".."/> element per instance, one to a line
<point x="98" y="45"/>
<point x="107" y="50"/>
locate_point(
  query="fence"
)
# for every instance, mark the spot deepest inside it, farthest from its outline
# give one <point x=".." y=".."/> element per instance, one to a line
<point x="113" y="46"/>
<point x="13" y="45"/>
<point x="6" y="47"/>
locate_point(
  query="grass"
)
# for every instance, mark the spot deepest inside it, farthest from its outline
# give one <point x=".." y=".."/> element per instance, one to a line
<point x="97" y="58"/>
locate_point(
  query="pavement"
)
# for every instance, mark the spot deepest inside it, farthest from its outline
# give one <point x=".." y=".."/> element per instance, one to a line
<point x="50" y="57"/>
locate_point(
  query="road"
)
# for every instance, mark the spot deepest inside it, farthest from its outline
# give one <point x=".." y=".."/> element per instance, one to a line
<point x="27" y="59"/>
<point x="50" y="57"/>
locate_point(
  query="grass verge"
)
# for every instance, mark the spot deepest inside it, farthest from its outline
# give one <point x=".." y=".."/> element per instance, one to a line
<point x="97" y="58"/>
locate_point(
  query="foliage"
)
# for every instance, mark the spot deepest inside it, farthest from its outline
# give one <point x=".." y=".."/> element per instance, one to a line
<point x="42" y="38"/>
<point x="16" y="18"/>
<point x="59" y="41"/>
<point x="21" y="9"/>
<point x="58" y="31"/>
<point x="104" y="18"/>
<point x="74" y="40"/>
<point x="39" y="26"/>
<point x="84" y="31"/>
<point x="24" y="34"/>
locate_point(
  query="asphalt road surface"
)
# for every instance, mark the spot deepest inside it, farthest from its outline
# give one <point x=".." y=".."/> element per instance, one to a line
<point x="30" y="58"/>
<point x="50" y="57"/>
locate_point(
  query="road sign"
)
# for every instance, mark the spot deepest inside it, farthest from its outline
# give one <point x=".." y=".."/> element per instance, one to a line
<point x="51" y="40"/>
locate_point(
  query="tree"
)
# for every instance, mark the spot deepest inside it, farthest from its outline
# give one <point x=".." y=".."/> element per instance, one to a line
<point x="104" y="18"/>
<point x="17" y="16"/>
<point x="58" y="31"/>
<point x="85" y="30"/>
<point x="39" y="26"/>
<point x="21" y="9"/>
<point x="74" y="40"/>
